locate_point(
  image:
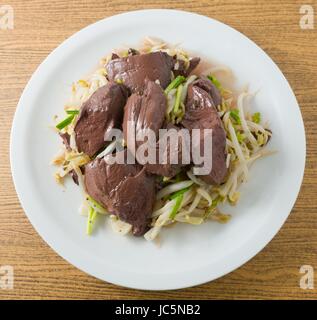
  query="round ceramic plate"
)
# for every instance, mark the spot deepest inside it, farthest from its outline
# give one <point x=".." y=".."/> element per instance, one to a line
<point x="189" y="255"/>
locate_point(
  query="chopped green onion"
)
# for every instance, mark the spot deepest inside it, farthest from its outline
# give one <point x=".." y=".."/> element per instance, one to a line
<point x="234" y="114"/>
<point x="119" y="81"/>
<point x="91" y="220"/>
<point x="215" y="81"/>
<point x="178" y="193"/>
<point x="175" y="83"/>
<point x="177" y="205"/>
<point x="256" y="117"/>
<point x="178" y="98"/>
<point x="72" y="112"/>
<point x="179" y="117"/>
<point x="95" y="205"/>
<point x="67" y="121"/>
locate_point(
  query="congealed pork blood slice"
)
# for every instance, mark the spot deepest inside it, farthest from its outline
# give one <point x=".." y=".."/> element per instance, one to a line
<point x="133" y="52"/>
<point x="180" y="69"/>
<point x="102" y="179"/>
<point x="205" y="84"/>
<point x="74" y="176"/>
<point x="124" y="189"/>
<point x="202" y="114"/>
<point x="134" y="69"/>
<point x="66" y="140"/>
<point x="147" y="111"/>
<point x="169" y="169"/>
<point x="114" y="56"/>
<point x="102" y="112"/>
<point x="144" y="111"/>
<point x="133" y="201"/>
<point x="193" y="63"/>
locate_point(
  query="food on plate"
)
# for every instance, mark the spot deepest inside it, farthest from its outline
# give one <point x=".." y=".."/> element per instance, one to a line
<point x="134" y="69"/>
<point x="201" y="113"/>
<point x="145" y="111"/>
<point x="102" y="112"/>
<point x="169" y="169"/>
<point x="124" y="189"/>
<point x="159" y="89"/>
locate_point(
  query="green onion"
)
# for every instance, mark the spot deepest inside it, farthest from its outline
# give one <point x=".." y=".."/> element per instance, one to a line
<point x="179" y="117"/>
<point x="91" y="220"/>
<point x="65" y="122"/>
<point x="256" y="117"/>
<point x="177" y="205"/>
<point x="119" y="81"/>
<point x="175" y="83"/>
<point x="178" y="98"/>
<point x="95" y="205"/>
<point x="234" y="114"/>
<point x="72" y="112"/>
<point x="178" y="193"/>
<point x="215" y="81"/>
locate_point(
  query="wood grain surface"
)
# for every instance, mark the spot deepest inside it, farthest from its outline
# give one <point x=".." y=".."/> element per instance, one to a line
<point x="39" y="27"/>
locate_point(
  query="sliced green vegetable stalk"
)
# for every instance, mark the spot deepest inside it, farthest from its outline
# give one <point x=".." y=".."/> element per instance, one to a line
<point x="178" y="98"/>
<point x="178" y="202"/>
<point x="92" y="216"/>
<point x="234" y="114"/>
<point x="95" y="205"/>
<point x="178" y="196"/>
<point x="175" y="83"/>
<point x="181" y="111"/>
<point x="178" y="193"/>
<point x="215" y="81"/>
<point x="67" y="121"/>
<point x="256" y="117"/>
<point x="72" y="112"/>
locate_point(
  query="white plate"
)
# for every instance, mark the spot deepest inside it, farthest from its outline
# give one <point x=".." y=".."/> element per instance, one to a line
<point x="189" y="255"/>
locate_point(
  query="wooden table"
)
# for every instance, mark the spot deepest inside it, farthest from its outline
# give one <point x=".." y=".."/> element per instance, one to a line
<point x="39" y="27"/>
